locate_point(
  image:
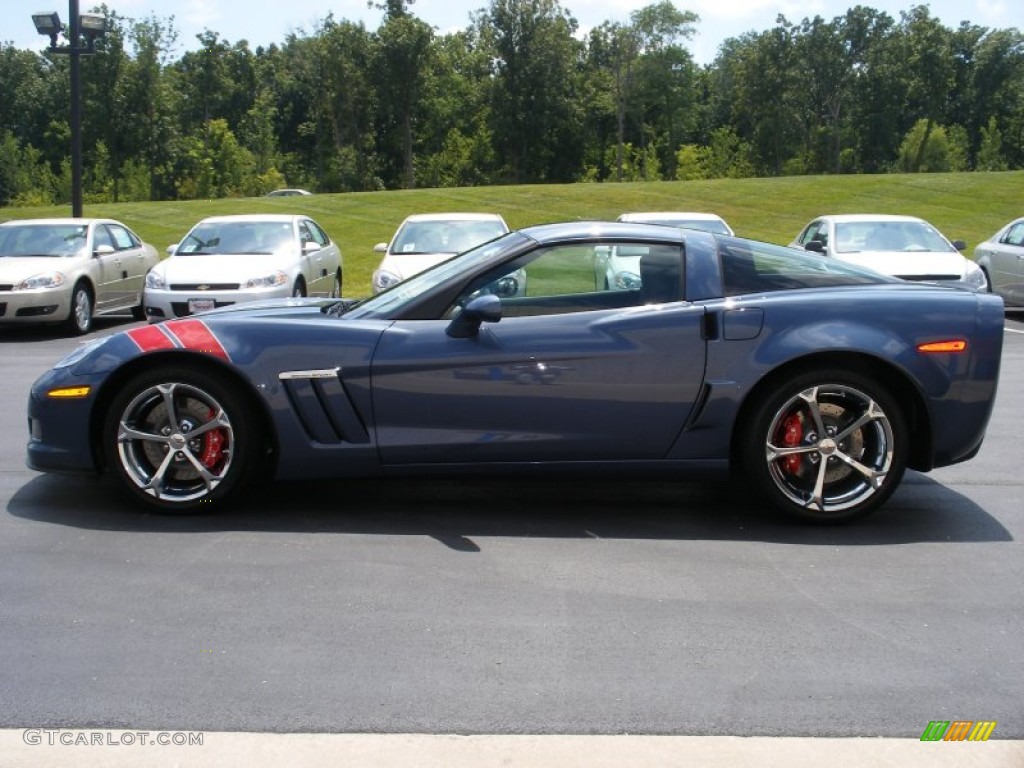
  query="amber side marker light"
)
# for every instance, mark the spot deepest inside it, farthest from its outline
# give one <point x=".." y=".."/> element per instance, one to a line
<point x="64" y="393"/>
<point x="953" y="345"/>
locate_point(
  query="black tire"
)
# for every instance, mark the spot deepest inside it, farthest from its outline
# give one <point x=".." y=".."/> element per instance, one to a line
<point x="79" y="320"/>
<point x="336" y="288"/>
<point x="139" y="312"/>
<point x="157" y="415"/>
<point x="843" y="476"/>
<point x="299" y="289"/>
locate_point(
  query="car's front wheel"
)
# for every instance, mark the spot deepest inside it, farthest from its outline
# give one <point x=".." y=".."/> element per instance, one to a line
<point x="80" y="319"/>
<point x="827" y="446"/>
<point x="181" y="439"/>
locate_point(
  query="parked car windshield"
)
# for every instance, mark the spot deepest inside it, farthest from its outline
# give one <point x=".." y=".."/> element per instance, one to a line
<point x="450" y="236"/>
<point x="42" y="239"/>
<point x="249" y="237"/>
<point x="907" y="236"/>
<point x="393" y="298"/>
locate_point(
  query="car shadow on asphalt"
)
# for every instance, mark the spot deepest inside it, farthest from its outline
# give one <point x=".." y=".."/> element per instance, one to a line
<point x="460" y="512"/>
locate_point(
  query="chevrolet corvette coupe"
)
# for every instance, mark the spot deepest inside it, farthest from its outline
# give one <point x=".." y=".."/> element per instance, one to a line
<point x="816" y="381"/>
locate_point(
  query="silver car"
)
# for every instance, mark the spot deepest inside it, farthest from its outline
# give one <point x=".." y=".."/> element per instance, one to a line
<point x="1002" y="259"/>
<point x="68" y="270"/>
<point x="227" y="260"/>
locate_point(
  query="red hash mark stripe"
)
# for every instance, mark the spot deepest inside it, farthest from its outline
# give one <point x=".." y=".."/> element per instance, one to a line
<point x="150" y="338"/>
<point x="194" y="335"/>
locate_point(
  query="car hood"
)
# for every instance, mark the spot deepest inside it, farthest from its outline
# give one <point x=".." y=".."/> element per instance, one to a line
<point x="221" y="267"/>
<point x="912" y="264"/>
<point x="15" y="268"/>
<point x="408" y="264"/>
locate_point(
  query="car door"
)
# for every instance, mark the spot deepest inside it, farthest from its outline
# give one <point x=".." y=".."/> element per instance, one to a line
<point x="1007" y="260"/>
<point x="112" y="290"/>
<point x="313" y="260"/>
<point x="133" y="261"/>
<point x="569" y="373"/>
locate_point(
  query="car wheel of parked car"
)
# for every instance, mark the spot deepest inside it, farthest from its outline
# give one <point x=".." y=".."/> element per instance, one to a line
<point x="827" y="446"/>
<point x="336" y="288"/>
<point x="181" y="438"/>
<point x="80" y="319"/>
<point x="299" y="289"/>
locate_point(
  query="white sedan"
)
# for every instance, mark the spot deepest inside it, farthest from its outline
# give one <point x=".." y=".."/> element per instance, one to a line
<point x="68" y="270"/>
<point x="227" y="260"/>
<point x="426" y="239"/>
<point x="1002" y="259"/>
<point x="901" y="246"/>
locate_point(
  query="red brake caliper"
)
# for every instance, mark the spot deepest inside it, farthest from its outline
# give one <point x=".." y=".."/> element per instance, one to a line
<point x="213" y="446"/>
<point x="792" y="435"/>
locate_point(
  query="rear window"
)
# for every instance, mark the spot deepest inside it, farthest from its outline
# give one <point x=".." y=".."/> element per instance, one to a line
<point x="752" y="267"/>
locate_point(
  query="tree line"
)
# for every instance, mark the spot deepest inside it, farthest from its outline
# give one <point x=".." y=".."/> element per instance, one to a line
<point x="518" y="96"/>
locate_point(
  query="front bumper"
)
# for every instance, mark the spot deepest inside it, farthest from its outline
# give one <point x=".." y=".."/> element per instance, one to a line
<point x="41" y="306"/>
<point x="164" y="304"/>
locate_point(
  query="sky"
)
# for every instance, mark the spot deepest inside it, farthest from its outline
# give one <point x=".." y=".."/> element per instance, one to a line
<point x="262" y="22"/>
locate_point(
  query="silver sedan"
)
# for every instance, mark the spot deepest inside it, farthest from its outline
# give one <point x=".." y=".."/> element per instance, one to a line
<point x="68" y="270"/>
<point x="1002" y="258"/>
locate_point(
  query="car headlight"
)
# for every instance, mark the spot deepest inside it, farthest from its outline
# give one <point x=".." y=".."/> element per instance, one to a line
<point x="267" y="281"/>
<point x="46" y="280"/>
<point x="80" y="352"/>
<point x="155" y="281"/>
<point x="383" y="280"/>
<point x="626" y="281"/>
<point x="974" y="277"/>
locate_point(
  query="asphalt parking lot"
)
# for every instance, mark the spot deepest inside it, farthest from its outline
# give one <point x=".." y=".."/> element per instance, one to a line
<point x="514" y="607"/>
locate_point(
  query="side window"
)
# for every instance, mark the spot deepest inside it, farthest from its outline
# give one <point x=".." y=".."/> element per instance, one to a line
<point x="122" y="238"/>
<point x="317" y="234"/>
<point x="304" y="234"/>
<point x="102" y="237"/>
<point x="1015" y="235"/>
<point x="816" y="230"/>
<point x="574" y="278"/>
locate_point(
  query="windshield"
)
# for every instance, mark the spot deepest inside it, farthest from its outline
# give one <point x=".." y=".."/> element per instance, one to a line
<point x="393" y="298"/>
<point x="236" y="237"/>
<point x="447" y="236"/>
<point x="42" y="239"/>
<point x="906" y="236"/>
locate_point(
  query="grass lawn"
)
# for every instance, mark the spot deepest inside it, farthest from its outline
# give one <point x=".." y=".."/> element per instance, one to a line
<point x="967" y="206"/>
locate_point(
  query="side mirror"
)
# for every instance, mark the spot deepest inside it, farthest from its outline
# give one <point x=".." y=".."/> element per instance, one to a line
<point x="380" y="248"/>
<point x="171" y="249"/>
<point x="310" y="245"/>
<point x="814" y="245"/>
<point x="103" y="250"/>
<point x="482" y="309"/>
<point x="959" y="245"/>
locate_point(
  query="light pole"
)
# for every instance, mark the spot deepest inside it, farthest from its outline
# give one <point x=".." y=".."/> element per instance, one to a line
<point x="92" y="27"/>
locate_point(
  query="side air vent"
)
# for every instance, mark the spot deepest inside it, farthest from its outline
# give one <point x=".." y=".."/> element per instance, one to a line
<point x="323" y="406"/>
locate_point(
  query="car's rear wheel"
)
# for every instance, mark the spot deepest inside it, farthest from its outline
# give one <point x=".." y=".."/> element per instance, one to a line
<point x="336" y="288"/>
<point x="827" y="446"/>
<point x="299" y="289"/>
<point x="80" y="319"/>
<point x="180" y="438"/>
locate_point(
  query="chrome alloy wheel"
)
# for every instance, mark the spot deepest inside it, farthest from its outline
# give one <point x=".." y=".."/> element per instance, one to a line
<point x="175" y="442"/>
<point x="830" y="447"/>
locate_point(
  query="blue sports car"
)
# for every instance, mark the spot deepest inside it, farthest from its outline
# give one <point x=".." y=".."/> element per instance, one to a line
<point x="817" y="380"/>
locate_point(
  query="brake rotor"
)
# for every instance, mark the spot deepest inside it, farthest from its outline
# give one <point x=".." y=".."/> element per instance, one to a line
<point x="852" y="445"/>
<point x="208" y="448"/>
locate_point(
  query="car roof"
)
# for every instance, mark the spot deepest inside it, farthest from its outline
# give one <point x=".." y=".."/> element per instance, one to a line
<point x="858" y="217"/>
<point x="456" y="216"/>
<point x="640" y="216"/>
<point x="58" y="220"/>
<point x="252" y="217"/>
<point x="585" y="230"/>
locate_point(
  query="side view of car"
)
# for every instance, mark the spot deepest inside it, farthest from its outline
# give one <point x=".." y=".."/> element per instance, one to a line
<point x="815" y="382"/>
<point x="225" y="260"/>
<point x="901" y="246"/>
<point x="426" y="239"/>
<point x="1001" y="257"/>
<point x="69" y="270"/>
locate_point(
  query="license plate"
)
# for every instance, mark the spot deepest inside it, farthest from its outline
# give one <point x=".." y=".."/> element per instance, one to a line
<point x="200" y="305"/>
